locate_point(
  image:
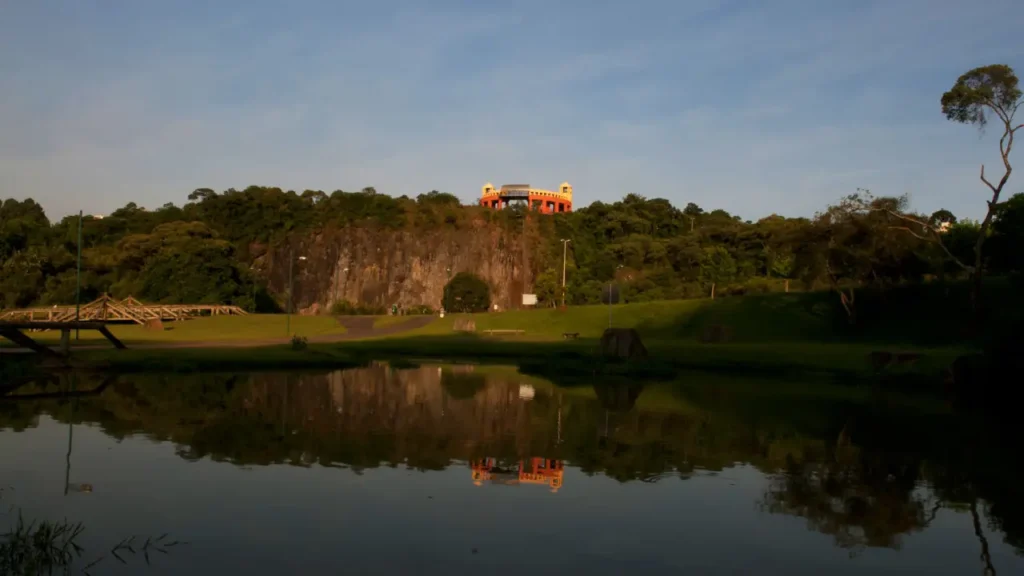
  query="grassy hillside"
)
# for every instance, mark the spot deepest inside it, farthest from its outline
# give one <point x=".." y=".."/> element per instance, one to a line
<point x="762" y="318"/>
<point x="776" y="335"/>
<point x="930" y="315"/>
<point x="920" y="315"/>
<point x="749" y="319"/>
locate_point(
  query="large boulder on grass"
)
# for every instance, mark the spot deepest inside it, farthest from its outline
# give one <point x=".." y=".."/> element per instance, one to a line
<point x="622" y="343"/>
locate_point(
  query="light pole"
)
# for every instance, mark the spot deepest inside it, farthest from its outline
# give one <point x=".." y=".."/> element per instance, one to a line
<point x="611" y="295"/>
<point x="565" y="244"/>
<point x="444" y="298"/>
<point x="291" y="278"/>
<point x="337" y="282"/>
<point x="252" y="272"/>
<point x="78" y="275"/>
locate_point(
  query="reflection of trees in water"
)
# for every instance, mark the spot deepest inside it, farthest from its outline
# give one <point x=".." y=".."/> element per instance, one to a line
<point x="860" y="499"/>
<point x="850" y="470"/>
<point x="985" y="477"/>
<point x="45" y="547"/>
<point x="865" y="489"/>
<point x="375" y="415"/>
<point x="462" y="386"/>
<point x="618" y="397"/>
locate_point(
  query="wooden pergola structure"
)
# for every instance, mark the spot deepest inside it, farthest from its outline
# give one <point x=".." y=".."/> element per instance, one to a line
<point x="107" y="309"/>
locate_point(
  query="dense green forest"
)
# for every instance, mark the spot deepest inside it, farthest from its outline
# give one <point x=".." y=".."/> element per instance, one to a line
<point x="204" y="251"/>
<point x="201" y="252"/>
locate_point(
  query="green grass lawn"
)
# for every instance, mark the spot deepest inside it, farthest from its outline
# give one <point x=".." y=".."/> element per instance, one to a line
<point x="254" y="327"/>
<point x="588" y="321"/>
<point x="550" y="323"/>
<point x="753" y="319"/>
<point x="756" y="318"/>
<point x="775" y="335"/>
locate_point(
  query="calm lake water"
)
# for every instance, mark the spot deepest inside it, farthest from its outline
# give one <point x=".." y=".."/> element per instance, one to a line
<point x="437" y="469"/>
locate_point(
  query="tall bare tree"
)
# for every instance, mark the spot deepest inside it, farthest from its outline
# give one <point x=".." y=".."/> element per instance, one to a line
<point x="975" y="98"/>
<point x="989" y="93"/>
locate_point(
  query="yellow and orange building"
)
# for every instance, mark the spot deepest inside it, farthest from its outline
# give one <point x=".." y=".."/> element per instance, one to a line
<point x="545" y="201"/>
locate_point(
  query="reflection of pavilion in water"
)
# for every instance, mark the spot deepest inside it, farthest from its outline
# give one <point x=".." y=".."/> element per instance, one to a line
<point x="540" y="471"/>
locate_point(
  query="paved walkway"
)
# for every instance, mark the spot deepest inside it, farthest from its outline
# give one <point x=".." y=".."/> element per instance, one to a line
<point x="356" y="327"/>
<point x="362" y="327"/>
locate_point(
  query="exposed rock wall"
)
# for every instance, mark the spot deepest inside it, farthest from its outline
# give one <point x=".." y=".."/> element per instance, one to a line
<point x="383" y="267"/>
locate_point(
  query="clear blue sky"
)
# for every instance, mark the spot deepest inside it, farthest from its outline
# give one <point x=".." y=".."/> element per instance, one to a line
<point x="753" y="106"/>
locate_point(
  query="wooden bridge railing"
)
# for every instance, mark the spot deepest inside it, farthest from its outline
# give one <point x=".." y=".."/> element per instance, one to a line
<point x="107" y="309"/>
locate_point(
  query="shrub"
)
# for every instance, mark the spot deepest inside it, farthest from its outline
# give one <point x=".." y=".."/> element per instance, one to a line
<point x="299" y="343"/>
<point x="756" y="285"/>
<point x="467" y="293"/>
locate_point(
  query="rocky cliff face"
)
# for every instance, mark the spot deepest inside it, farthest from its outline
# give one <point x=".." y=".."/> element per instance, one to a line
<point x="383" y="267"/>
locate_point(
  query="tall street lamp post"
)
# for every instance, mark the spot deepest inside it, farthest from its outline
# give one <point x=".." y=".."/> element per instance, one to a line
<point x="337" y="282"/>
<point x="252" y="272"/>
<point x="611" y="295"/>
<point x="291" y="279"/>
<point x="78" y="275"/>
<point x="444" y="299"/>
<point x="565" y="244"/>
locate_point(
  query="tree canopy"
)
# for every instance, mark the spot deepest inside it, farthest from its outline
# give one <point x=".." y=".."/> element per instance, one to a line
<point x="974" y="98"/>
<point x="980" y="92"/>
<point x="204" y="251"/>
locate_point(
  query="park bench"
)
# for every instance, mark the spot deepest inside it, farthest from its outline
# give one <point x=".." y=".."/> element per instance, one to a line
<point x="570" y="335"/>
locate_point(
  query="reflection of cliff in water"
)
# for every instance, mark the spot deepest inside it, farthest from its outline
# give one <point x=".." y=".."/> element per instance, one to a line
<point x="852" y="469"/>
<point x="394" y="416"/>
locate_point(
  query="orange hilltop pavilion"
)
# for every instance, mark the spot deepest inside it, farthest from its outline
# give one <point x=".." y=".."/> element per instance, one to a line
<point x="545" y="201"/>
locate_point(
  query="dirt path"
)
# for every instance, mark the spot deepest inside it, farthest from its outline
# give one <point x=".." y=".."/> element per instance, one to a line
<point x="362" y="327"/>
<point x="356" y="327"/>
